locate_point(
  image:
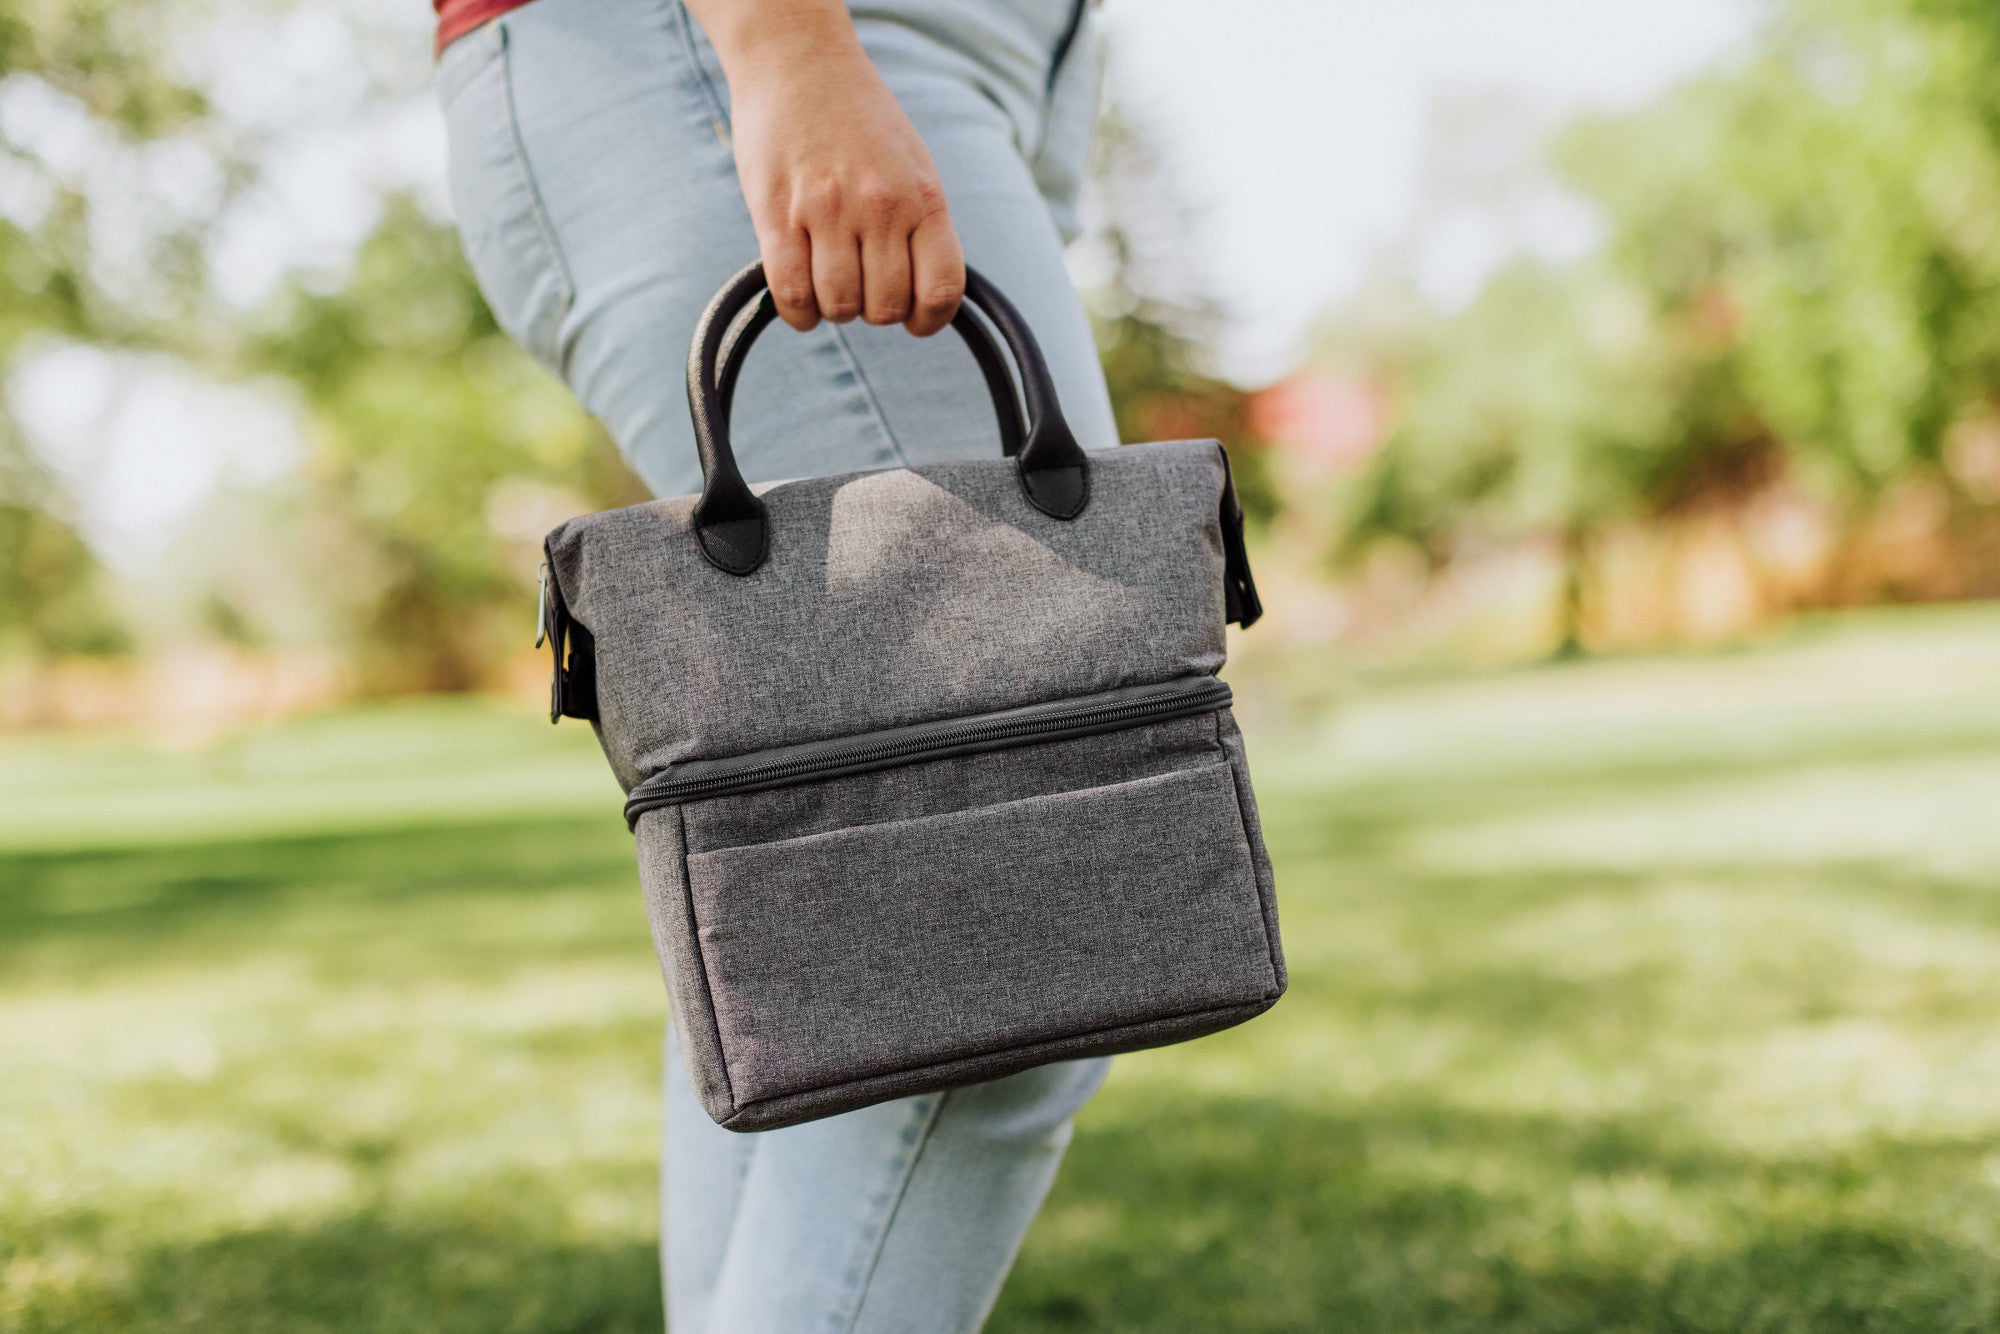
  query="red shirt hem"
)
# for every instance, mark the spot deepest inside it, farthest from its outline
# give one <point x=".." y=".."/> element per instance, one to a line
<point x="459" y="17"/>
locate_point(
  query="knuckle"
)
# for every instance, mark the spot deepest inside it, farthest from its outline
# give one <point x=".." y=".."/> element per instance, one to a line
<point x="928" y="196"/>
<point x="938" y="298"/>
<point x="886" y="313"/>
<point x="880" y="203"/>
<point x="792" y="294"/>
<point x="821" y="199"/>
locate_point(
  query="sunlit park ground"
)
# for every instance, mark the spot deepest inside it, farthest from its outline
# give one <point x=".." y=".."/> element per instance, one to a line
<point x="1645" y="994"/>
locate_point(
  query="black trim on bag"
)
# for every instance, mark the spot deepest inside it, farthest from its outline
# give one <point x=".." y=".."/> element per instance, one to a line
<point x="1059" y="720"/>
<point x="1239" y="590"/>
<point x="573" y="680"/>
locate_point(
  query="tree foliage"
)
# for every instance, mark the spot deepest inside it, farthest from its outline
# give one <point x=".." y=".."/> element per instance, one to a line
<point x="432" y="447"/>
<point x="70" y="69"/>
<point x="425" y="421"/>
<point x="1154" y="327"/>
<point x="1801" y="277"/>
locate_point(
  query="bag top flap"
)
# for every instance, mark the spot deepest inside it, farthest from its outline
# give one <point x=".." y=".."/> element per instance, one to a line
<point x="895" y="597"/>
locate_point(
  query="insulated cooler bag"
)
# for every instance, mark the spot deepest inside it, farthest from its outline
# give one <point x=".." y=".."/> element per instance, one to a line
<point x="929" y="768"/>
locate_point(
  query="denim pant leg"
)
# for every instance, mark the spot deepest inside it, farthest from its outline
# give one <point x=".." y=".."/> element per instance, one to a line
<point x="599" y="206"/>
<point x="902" y="1218"/>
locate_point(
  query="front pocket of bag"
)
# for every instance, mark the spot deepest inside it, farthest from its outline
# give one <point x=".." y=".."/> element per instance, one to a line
<point x="892" y="946"/>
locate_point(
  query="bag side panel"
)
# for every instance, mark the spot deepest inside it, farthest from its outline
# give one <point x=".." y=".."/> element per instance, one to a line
<point x="670" y="912"/>
<point x="1231" y="740"/>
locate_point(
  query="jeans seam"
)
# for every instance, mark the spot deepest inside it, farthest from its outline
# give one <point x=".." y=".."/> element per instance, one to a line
<point x="684" y="23"/>
<point x="1061" y="60"/>
<point x="874" y="404"/>
<point x="537" y="208"/>
<point x="867" y="1275"/>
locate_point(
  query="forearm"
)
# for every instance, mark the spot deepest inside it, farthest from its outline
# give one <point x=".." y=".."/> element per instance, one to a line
<point x="758" y="40"/>
<point x="850" y="215"/>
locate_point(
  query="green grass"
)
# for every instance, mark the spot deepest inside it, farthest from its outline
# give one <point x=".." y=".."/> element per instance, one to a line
<point x="1628" y="996"/>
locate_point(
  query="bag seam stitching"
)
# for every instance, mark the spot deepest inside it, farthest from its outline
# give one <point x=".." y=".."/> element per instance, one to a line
<point x="821" y="1090"/>
<point x="876" y="825"/>
<point x="701" y="961"/>
<point x="1249" y="850"/>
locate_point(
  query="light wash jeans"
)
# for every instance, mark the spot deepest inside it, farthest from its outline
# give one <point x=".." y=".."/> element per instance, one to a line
<point x="598" y="201"/>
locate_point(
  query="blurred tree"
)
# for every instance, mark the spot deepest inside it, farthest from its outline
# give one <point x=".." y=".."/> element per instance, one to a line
<point x="1153" y="326"/>
<point x="1801" y="278"/>
<point x="439" y="455"/>
<point x="53" y="598"/>
<point x="1832" y="211"/>
<point x="92" y="71"/>
<point x="435" y="453"/>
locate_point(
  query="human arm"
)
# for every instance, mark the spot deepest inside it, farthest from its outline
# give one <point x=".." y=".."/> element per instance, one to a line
<point x="850" y="215"/>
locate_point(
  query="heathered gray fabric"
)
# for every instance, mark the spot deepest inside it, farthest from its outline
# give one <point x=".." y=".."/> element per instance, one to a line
<point x="663" y="881"/>
<point x="844" y="940"/>
<point x="1231" y="741"/>
<point x="847" y="954"/>
<point x="701" y="981"/>
<point x="896" y="597"/>
<point x="964" y="782"/>
<point x="773" y="1113"/>
<point x="1112" y="935"/>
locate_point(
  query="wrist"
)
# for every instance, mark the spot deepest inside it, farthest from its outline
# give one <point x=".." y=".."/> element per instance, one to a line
<point x="778" y="39"/>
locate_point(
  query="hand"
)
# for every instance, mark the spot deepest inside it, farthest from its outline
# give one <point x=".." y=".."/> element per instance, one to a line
<point x="850" y="215"/>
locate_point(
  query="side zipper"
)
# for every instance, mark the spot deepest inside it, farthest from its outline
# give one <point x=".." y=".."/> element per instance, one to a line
<point x="1112" y="711"/>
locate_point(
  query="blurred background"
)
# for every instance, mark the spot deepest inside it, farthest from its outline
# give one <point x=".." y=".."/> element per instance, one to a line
<point x="1616" y="392"/>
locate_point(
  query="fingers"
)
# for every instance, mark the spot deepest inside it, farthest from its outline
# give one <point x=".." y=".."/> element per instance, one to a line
<point x="937" y="275"/>
<point x="892" y="257"/>
<point x="885" y="276"/>
<point x="788" y="269"/>
<point x="836" y="273"/>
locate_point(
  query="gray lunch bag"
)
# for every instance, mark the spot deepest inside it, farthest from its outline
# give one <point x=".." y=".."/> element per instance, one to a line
<point x="931" y="774"/>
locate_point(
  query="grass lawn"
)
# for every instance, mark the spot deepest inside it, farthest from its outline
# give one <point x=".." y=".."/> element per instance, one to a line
<point x="1640" y="995"/>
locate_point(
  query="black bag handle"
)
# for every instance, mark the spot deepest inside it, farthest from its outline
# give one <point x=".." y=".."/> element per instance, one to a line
<point x="729" y="520"/>
<point x="992" y="364"/>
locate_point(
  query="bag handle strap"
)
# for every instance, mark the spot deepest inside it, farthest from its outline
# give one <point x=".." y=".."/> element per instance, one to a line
<point x="763" y="311"/>
<point x="730" y="523"/>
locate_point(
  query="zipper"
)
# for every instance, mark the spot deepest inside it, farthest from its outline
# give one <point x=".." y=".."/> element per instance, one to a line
<point x="1112" y="711"/>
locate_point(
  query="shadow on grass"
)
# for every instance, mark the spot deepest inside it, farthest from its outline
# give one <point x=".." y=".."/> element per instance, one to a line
<point x="367" y="1274"/>
<point x="1200" y="1215"/>
<point x="151" y="894"/>
<point x="1247" y="1215"/>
